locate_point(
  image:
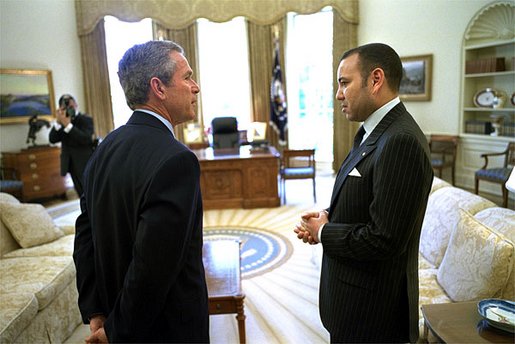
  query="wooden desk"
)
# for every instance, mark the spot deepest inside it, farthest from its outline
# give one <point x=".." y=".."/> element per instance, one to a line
<point x="239" y="178"/>
<point x="461" y="323"/>
<point x="223" y="276"/>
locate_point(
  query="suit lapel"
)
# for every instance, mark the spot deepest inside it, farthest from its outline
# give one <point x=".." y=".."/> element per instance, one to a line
<point x="364" y="150"/>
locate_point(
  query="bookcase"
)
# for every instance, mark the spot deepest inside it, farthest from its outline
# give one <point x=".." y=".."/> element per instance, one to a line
<point x="488" y="65"/>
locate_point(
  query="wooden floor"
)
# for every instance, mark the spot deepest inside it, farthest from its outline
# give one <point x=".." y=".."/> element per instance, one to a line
<point x="281" y="305"/>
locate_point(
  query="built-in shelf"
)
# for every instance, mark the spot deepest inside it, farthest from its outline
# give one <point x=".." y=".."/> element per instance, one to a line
<point x="481" y="75"/>
<point x="476" y="109"/>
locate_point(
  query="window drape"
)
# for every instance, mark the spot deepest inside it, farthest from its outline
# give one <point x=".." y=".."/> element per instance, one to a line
<point x="96" y="79"/>
<point x="261" y="46"/>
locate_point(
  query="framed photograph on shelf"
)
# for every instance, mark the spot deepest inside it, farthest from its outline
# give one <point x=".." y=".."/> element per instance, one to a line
<point x="416" y="80"/>
<point x="25" y="93"/>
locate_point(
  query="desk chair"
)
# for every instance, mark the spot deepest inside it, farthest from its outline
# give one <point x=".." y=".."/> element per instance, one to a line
<point x="10" y="184"/>
<point x="497" y="175"/>
<point x="443" y="153"/>
<point x="298" y="164"/>
<point x="225" y="132"/>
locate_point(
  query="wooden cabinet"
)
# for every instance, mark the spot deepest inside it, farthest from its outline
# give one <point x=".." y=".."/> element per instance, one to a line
<point x="39" y="168"/>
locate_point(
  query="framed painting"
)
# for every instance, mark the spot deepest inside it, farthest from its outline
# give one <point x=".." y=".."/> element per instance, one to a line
<point x="416" y="80"/>
<point x="25" y="93"/>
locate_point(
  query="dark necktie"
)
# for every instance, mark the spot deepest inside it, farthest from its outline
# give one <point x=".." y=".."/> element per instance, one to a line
<point x="358" y="138"/>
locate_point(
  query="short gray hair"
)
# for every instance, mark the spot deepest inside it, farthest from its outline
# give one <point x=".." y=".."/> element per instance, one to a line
<point x="141" y="63"/>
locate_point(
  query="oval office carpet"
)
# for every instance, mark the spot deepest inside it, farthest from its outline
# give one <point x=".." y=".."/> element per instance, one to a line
<point x="281" y="281"/>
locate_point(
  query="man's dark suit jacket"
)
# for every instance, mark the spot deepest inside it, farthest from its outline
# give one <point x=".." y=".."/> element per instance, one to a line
<point x="138" y="244"/>
<point x="76" y="145"/>
<point x="369" y="279"/>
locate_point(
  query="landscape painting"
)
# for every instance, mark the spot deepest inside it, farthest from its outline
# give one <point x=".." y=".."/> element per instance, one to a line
<point x="416" y="80"/>
<point x="24" y="94"/>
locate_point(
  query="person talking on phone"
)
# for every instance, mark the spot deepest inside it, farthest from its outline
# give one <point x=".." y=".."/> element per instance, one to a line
<point x="76" y="133"/>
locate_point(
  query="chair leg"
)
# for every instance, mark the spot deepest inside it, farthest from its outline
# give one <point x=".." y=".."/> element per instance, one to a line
<point x="453" y="177"/>
<point x="476" y="189"/>
<point x="504" y="197"/>
<point x="284" y="190"/>
<point x="314" y="190"/>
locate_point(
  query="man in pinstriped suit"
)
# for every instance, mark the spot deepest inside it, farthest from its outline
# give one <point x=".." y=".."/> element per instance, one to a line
<point x="370" y="233"/>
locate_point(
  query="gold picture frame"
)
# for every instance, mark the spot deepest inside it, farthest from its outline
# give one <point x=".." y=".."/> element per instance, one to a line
<point x="416" y="80"/>
<point x="25" y="93"/>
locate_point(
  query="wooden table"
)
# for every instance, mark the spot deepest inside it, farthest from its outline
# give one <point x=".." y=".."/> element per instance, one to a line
<point x="239" y="177"/>
<point x="223" y="276"/>
<point x="461" y="323"/>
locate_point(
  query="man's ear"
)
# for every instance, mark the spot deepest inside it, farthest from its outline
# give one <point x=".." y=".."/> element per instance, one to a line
<point x="156" y="87"/>
<point x="378" y="79"/>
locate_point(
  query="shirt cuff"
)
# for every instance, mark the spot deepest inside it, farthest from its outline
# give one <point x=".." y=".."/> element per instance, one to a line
<point x="57" y="126"/>
<point x="320" y="232"/>
<point x="68" y="128"/>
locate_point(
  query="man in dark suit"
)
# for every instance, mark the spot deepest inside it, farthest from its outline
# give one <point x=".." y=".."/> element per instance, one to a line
<point x="370" y="233"/>
<point x="138" y="243"/>
<point x="75" y="130"/>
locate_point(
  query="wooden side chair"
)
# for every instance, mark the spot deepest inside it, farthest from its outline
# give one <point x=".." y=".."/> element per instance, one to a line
<point x="298" y="164"/>
<point x="497" y="175"/>
<point x="443" y="153"/>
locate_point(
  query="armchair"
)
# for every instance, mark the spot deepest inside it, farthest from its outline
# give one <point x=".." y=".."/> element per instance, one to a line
<point x="443" y="153"/>
<point x="225" y="132"/>
<point x="497" y="175"/>
<point x="297" y="164"/>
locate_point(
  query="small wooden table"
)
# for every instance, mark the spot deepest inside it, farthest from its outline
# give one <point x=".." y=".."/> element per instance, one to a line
<point x="461" y="323"/>
<point x="223" y="276"/>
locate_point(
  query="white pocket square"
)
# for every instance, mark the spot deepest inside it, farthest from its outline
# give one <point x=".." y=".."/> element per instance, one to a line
<point x="355" y="173"/>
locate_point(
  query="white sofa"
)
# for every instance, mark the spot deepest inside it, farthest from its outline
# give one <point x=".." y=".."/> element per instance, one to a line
<point x="467" y="250"/>
<point x="38" y="294"/>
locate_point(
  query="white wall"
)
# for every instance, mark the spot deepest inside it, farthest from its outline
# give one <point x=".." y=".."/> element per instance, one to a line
<point x="419" y="27"/>
<point x="39" y="34"/>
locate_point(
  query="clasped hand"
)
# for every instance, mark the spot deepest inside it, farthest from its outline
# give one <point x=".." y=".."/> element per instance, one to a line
<point x="309" y="226"/>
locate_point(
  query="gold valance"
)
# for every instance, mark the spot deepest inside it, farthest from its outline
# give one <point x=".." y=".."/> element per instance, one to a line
<point x="178" y="14"/>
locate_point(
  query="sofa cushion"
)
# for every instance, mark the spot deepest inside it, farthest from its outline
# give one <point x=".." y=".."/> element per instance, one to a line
<point x="60" y="247"/>
<point x="477" y="262"/>
<point x="442" y="216"/>
<point x="30" y="224"/>
<point x="502" y="220"/>
<point x="45" y="277"/>
<point x="8" y="198"/>
<point x="18" y="310"/>
<point x="438" y="184"/>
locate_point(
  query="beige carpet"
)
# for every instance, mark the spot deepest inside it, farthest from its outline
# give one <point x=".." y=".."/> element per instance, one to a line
<point x="281" y="305"/>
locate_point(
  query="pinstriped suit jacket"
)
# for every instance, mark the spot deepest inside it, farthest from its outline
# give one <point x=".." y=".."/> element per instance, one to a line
<point x="369" y="279"/>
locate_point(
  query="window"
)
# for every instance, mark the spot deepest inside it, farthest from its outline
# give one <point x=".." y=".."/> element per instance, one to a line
<point x="120" y="36"/>
<point x="224" y="71"/>
<point x="309" y="73"/>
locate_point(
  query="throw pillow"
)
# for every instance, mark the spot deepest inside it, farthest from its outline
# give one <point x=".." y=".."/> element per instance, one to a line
<point x="29" y="224"/>
<point x="477" y="263"/>
<point x="442" y="216"/>
<point x="5" y="197"/>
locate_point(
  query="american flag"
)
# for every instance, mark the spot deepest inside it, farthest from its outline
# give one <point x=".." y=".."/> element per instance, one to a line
<point x="278" y="112"/>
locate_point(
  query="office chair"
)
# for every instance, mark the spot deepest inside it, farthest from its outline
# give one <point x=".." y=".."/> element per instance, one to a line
<point x="498" y="175"/>
<point x="225" y="132"/>
<point x="443" y="153"/>
<point x="298" y="164"/>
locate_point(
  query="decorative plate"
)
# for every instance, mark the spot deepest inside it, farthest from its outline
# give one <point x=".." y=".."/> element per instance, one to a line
<point x="498" y="313"/>
<point x="490" y="98"/>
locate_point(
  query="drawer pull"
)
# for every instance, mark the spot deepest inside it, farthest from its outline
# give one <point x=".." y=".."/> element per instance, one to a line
<point x="35" y="176"/>
<point x="33" y="166"/>
<point x="32" y="157"/>
<point x="36" y="188"/>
